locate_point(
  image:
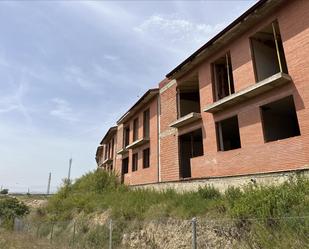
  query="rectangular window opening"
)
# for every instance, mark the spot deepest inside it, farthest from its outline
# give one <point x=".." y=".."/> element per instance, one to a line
<point x="267" y="51"/>
<point x="223" y="77"/>
<point x="228" y="137"/>
<point x="134" y="162"/>
<point x="105" y="151"/>
<point x="126" y="136"/>
<point x="113" y="146"/>
<point x="125" y="165"/>
<point x="146" y="155"/>
<point x="279" y="120"/>
<point x="146" y="123"/>
<point x="109" y="150"/>
<point x="189" y="101"/>
<point x="135" y="129"/>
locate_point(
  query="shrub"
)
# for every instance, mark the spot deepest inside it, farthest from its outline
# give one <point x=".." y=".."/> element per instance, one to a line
<point x="232" y="194"/>
<point x="209" y="192"/>
<point x="268" y="202"/>
<point x="11" y="207"/>
<point x="4" y="191"/>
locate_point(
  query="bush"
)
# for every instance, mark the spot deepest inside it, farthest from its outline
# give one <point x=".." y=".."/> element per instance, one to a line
<point x="209" y="192"/>
<point x="4" y="191"/>
<point x="11" y="207"/>
<point x="266" y="202"/>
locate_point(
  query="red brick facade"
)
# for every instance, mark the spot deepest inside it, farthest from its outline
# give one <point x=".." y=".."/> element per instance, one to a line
<point x="106" y="152"/>
<point x="255" y="155"/>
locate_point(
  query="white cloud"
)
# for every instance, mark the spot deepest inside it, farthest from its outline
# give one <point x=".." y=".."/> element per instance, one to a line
<point x="63" y="110"/>
<point x="14" y="102"/>
<point x="101" y="12"/>
<point x="174" y="32"/>
<point x="111" y="57"/>
<point x="76" y="75"/>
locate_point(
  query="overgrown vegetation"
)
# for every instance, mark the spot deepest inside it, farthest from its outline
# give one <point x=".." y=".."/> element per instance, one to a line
<point x="11" y="208"/>
<point x="99" y="191"/>
<point x="260" y="211"/>
<point x="4" y="191"/>
<point x="264" y="216"/>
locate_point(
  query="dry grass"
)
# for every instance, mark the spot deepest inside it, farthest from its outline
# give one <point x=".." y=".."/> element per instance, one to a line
<point x="16" y="240"/>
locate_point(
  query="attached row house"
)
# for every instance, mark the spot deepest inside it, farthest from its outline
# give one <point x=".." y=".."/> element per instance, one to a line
<point x="238" y="106"/>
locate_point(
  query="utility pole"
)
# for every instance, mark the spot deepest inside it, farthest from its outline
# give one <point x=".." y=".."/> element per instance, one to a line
<point x="48" y="185"/>
<point x="69" y="173"/>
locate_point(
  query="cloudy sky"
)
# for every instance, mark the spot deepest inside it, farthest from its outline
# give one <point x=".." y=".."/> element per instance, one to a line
<point x="70" y="69"/>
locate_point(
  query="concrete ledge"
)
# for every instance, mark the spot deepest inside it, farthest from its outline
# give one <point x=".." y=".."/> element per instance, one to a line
<point x="223" y="183"/>
<point x="137" y="143"/>
<point x="106" y="161"/>
<point x="249" y="92"/>
<point x="122" y="151"/>
<point x="187" y="119"/>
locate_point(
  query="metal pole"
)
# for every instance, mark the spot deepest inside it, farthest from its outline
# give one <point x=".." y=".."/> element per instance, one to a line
<point x="228" y="73"/>
<point x="48" y="184"/>
<point x="51" y="233"/>
<point x="74" y="230"/>
<point x="110" y="233"/>
<point x="178" y="103"/>
<point x="214" y="68"/>
<point x="69" y="173"/>
<point x="277" y="46"/>
<point x="194" y="233"/>
<point x="38" y="231"/>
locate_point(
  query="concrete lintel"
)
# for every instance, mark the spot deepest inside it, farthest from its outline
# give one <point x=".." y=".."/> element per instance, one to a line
<point x="187" y="119"/>
<point x="249" y="92"/>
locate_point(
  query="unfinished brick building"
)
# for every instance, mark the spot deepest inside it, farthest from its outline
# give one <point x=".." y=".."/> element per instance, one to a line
<point x="238" y="106"/>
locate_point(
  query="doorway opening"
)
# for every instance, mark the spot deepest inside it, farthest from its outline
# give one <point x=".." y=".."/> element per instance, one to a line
<point x="190" y="145"/>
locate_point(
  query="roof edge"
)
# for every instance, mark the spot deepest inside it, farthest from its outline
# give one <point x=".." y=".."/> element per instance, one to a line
<point x="216" y="37"/>
<point x="110" y="131"/>
<point x="154" y="91"/>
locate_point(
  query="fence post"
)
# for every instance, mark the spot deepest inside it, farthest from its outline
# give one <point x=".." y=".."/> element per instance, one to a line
<point x="38" y="230"/>
<point x="51" y="233"/>
<point x="110" y="233"/>
<point x="194" y="233"/>
<point x="74" y="230"/>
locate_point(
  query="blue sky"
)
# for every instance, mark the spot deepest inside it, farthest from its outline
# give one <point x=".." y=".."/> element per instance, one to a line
<point x="70" y="69"/>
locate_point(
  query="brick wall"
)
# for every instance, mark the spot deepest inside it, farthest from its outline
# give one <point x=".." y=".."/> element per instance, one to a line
<point x="142" y="175"/>
<point x="168" y="136"/>
<point x="255" y="156"/>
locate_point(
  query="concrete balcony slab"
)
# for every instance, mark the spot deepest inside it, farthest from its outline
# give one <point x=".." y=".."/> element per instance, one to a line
<point x="122" y="151"/>
<point x="137" y="143"/>
<point x="187" y="119"/>
<point x="249" y="92"/>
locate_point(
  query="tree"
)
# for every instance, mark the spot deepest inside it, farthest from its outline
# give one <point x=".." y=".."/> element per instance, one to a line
<point x="11" y="208"/>
<point x="4" y="191"/>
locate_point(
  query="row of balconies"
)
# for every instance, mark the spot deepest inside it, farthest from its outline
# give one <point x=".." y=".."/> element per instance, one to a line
<point x="270" y="72"/>
<point x="253" y="90"/>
